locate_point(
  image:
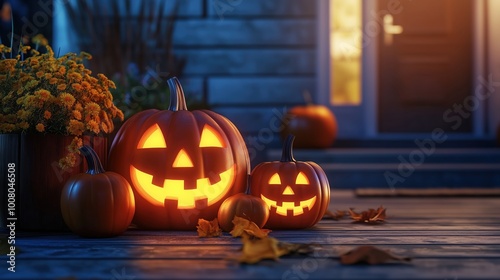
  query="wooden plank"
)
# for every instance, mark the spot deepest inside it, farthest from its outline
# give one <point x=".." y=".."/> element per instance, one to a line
<point x="172" y="252"/>
<point x="312" y="268"/>
<point x="456" y="238"/>
<point x="283" y="91"/>
<point x="224" y="9"/>
<point x="251" y="61"/>
<point x="255" y="33"/>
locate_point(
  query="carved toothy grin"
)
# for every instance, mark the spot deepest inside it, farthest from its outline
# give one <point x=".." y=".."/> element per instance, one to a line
<point x="174" y="189"/>
<point x="285" y="206"/>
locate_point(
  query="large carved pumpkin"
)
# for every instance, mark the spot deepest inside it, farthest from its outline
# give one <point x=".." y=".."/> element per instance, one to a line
<point x="296" y="192"/>
<point x="182" y="165"/>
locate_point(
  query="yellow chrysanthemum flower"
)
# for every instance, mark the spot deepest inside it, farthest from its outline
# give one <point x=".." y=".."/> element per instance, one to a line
<point x="77" y="114"/>
<point x="92" y="109"/>
<point x="76" y="86"/>
<point x="93" y="126"/>
<point x="75" y="127"/>
<point x="67" y="99"/>
<point x="40" y="127"/>
<point x="61" y="87"/>
<point x="43" y="94"/>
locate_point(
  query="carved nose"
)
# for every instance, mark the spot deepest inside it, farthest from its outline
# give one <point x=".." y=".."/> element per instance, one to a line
<point x="288" y="191"/>
<point x="182" y="160"/>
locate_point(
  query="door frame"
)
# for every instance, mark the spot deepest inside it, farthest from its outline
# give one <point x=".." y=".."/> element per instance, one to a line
<point x="362" y="120"/>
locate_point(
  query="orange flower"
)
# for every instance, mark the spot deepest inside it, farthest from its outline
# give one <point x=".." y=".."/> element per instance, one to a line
<point x="77" y="115"/>
<point x="40" y="127"/>
<point x="86" y="85"/>
<point x="61" y="87"/>
<point x="39" y="74"/>
<point x="24" y="125"/>
<point x="93" y="126"/>
<point x="75" y="127"/>
<point x="47" y="114"/>
<point x="92" y="109"/>
<point x="67" y="99"/>
<point x="76" y="86"/>
<point x="52" y="81"/>
<point x="43" y="94"/>
<point x="75" y="144"/>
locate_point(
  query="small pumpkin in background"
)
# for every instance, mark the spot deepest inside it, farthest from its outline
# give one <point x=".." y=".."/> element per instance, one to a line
<point x="245" y="206"/>
<point x="97" y="203"/>
<point x="297" y="193"/>
<point x="313" y="125"/>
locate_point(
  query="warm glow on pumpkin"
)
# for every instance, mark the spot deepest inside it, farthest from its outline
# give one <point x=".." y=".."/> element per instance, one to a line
<point x="182" y="160"/>
<point x="288" y="191"/>
<point x="152" y="138"/>
<point x="275" y="179"/>
<point x="174" y="189"/>
<point x="210" y="138"/>
<point x="285" y="206"/>
<point x="301" y="179"/>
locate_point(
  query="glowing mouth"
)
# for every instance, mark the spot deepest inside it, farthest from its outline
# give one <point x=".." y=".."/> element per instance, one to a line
<point x="174" y="189"/>
<point x="285" y="206"/>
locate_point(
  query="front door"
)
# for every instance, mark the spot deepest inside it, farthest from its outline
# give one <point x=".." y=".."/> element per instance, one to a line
<point x="425" y="66"/>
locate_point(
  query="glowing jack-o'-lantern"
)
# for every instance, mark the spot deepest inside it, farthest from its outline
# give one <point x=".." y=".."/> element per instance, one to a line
<point x="182" y="165"/>
<point x="297" y="193"/>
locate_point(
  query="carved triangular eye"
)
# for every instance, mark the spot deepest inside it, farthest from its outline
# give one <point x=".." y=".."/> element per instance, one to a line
<point x="301" y="179"/>
<point x="275" y="179"/>
<point x="152" y="138"/>
<point x="210" y="138"/>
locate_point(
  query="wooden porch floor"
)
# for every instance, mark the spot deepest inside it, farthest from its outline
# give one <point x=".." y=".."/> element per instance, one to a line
<point x="447" y="238"/>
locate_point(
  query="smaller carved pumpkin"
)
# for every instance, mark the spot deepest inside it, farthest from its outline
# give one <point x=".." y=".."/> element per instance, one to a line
<point x="245" y="206"/>
<point x="297" y="193"/>
<point x="97" y="203"/>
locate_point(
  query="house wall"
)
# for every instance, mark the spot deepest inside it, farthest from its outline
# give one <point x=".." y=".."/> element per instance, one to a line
<point x="250" y="60"/>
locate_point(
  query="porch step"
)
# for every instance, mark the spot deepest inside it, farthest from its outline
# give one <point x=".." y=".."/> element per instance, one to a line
<point x="351" y="168"/>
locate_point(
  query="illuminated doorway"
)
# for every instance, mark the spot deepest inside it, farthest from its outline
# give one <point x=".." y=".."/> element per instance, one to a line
<point x="349" y="73"/>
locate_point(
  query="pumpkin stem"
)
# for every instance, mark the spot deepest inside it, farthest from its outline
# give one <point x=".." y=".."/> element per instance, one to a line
<point x="307" y="97"/>
<point x="287" y="155"/>
<point x="177" y="99"/>
<point x="93" y="162"/>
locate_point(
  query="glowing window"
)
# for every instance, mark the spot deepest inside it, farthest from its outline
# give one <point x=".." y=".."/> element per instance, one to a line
<point x="345" y="52"/>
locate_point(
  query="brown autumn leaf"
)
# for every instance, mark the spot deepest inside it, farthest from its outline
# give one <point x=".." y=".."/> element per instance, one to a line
<point x="370" y="255"/>
<point x="242" y="226"/>
<point x="337" y="215"/>
<point x="208" y="228"/>
<point x="255" y="250"/>
<point x="371" y="216"/>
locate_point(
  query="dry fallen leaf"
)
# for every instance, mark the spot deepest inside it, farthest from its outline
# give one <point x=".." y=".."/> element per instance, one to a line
<point x="337" y="215"/>
<point x="208" y="228"/>
<point x="242" y="226"/>
<point x="369" y="255"/>
<point x="255" y="250"/>
<point x="370" y="216"/>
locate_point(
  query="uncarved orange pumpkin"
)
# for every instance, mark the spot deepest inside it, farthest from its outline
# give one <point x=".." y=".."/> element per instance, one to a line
<point x="97" y="203"/>
<point x="181" y="164"/>
<point x="313" y="125"/>
<point x="296" y="192"/>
